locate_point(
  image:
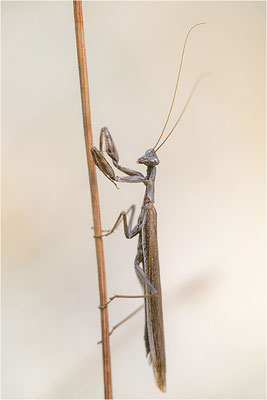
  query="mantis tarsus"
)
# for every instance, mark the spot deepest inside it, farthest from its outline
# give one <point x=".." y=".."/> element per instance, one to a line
<point x="146" y="228"/>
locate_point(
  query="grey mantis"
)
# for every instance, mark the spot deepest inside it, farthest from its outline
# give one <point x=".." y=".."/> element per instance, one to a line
<point x="146" y="228"/>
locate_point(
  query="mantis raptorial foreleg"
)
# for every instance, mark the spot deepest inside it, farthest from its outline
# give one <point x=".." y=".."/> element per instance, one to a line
<point x="105" y="167"/>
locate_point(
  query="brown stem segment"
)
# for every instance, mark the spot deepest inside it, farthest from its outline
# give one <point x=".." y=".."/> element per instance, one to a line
<point x="79" y="30"/>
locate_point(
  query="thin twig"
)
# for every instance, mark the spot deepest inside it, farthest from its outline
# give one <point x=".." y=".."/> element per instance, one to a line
<point x="79" y="30"/>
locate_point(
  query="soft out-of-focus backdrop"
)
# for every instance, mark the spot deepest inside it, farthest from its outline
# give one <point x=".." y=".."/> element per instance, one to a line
<point x="209" y="197"/>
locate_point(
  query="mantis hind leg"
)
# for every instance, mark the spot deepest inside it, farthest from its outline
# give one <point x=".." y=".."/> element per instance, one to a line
<point x="143" y="280"/>
<point x="124" y="320"/>
<point x="140" y="272"/>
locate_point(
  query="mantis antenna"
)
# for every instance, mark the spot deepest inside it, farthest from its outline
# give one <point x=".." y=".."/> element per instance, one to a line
<point x="183" y="110"/>
<point x="175" y="90"/>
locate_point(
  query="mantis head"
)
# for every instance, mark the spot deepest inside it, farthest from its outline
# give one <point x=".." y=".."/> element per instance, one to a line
<point x="150" y="158"/>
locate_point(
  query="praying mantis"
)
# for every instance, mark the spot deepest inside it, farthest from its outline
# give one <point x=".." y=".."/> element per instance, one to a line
<point x="146" y="229"/>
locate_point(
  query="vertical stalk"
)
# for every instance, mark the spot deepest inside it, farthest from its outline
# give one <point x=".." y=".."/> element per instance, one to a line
<point x="79" y="30"/>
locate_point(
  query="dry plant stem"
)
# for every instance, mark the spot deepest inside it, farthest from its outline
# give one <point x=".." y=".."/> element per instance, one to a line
<point x="79" y="30"/>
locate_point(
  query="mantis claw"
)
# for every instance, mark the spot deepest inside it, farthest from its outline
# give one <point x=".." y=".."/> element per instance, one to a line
<point x="106" y="304"/>
<point x="103" y="307"/>
<point x="105" y="234"/>
<point x="111" y="298"/>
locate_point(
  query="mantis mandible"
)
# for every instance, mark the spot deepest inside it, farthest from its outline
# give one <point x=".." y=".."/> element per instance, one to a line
<point x="146" y="228"/>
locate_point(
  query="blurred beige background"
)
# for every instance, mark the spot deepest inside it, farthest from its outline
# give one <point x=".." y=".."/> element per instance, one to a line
<point x="209" y="197"/>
